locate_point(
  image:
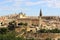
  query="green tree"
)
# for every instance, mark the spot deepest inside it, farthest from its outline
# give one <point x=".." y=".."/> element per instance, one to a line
<point x="20" y="24"/>
<point x="3" y="30"/>
<point x="25" y="24"/>
<point x="12" y="25"/>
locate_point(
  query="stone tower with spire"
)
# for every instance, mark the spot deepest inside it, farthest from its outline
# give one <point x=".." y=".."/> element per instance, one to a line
<point x="40" y="19"/>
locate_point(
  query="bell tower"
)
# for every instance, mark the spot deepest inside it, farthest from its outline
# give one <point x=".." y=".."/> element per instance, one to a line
<point x="40" y="19"/>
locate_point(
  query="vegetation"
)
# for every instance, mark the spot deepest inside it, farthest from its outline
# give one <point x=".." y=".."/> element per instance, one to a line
<point x="5" y="34"/>
<point x="49" y="31"/>
<point x="34" y="25"/>
<point x="3" y="30"/>
<point x="58" y="38"/>
<point x="30" y="39"/>
<point x="12" y="25"/>
<point x="25" y="24"/>
<point x="20" y="24"/>
<point x="9" y="35"/>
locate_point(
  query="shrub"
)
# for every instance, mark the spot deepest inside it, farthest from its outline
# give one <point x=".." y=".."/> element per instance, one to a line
<point x="10" y="36"/>
<point x="3" y="30"/>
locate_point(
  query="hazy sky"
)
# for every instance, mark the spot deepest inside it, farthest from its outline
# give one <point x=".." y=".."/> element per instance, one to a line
<point x="30" y="7"/>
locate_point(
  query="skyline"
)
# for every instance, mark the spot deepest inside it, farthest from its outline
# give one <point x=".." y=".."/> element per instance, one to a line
<point x="30" y="7"/>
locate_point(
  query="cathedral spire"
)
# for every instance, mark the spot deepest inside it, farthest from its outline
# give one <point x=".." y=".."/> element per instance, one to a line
<point x="40" y="13"/>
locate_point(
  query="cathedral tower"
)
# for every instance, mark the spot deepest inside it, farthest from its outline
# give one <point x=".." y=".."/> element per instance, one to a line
<point x="40" y="13"/>
<point x="40" y="20"/>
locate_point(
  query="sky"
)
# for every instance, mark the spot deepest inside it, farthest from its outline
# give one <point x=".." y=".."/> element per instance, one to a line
<point x="30" y="7"/>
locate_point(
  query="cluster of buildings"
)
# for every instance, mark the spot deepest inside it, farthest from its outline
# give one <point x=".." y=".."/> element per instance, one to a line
<point x="40" y="22"/>
<point x="34" y="23"/>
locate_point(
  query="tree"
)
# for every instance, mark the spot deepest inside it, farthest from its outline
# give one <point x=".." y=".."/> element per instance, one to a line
<point x="3" y="30"/>
<point x="42" y="31"/>
<point x="12" y="25"/>
<point x="20" y="24"/>
<point x="25" y="24"/>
